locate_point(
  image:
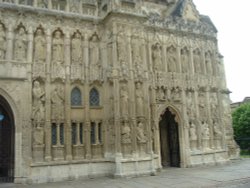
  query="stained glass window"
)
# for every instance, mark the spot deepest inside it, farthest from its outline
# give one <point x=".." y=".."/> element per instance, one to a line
<point x="76" y="97"/>
<point x="94" y="99"/>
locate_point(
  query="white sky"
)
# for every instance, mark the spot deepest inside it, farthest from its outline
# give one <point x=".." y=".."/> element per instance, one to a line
<point x="231" y="18"/>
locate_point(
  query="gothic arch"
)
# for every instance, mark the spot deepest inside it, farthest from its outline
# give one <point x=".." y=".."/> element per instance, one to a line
<point x="94" y="97"/>
<point x="76" y="97"/>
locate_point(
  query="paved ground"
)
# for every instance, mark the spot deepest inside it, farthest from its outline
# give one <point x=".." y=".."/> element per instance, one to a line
<point x="234" y="175"/>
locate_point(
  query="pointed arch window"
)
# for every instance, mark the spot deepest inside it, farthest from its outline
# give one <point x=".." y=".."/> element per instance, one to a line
<point x="94" y="98"/>
<point x="76" y="97"/>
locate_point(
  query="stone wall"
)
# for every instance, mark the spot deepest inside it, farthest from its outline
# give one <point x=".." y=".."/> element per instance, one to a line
<point x="91" y="82"/>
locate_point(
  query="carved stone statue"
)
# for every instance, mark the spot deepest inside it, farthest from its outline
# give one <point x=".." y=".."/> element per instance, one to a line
<point x="95" y="58"/>
<point x="136" y="53"/>
<point x="208" y="63"/>
<point x="57" y="103"/>
<point x="171" y="59"/>
<point x="42" y="3"/>
<point x="38" y="104"/>
<point x="76" y="55"/>
<point x="126" y="133"/>
<point x="202" y="104"/>
<point x="176" y="94"/>
<point x="2" y="42"/>
<point x="205" y="135"/>
<point x="38" y="136"/>
<point x="184" y="60"/>
<point x="157" y="57"/>
<point x="40" y="47"/>
<point x="122" y="48"/>
<point x="192" y="136"/>
<point x="197" y="61"/>
<point x="124" y="100"/>
<point x="217" y="135"/>
<point x="21" y="45"/>
<point x="58" y="48"/>
<point x="190" y="104"/>
<point x="139" y="99"/>
<point x="140" y="135"/>
<point x="214" y="105"/>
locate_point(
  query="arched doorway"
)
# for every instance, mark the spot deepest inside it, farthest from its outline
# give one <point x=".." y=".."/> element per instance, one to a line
<point x="169" y="138"/>
<point x="7" y="135"/>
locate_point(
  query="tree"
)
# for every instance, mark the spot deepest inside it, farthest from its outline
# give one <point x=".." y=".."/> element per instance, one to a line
<point x="241" y="125"/>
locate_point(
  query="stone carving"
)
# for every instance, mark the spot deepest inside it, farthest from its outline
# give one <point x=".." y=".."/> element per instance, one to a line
<point x="190" y="104"/>
<point x="58" y="48"/>
<point x="122" y="48"/>
<point x="184" y="60"/>
<point x="137" y="57"/>
<point x="217" y="135"/>
<point x="124" y="100"/>
<point x="205" y="135"/>
<point x="214" y="105"/>
<point x="95" y="58"/>
<point x="202" y="104"/>
<point x="171" y="59"/>
<point x="176" y="94"/>
<point x="58" y="55"/>
<point x="157" y="57"/>
<point x="21" y="45"/>
<point x="42" y="3"/>
<point x="208" y="63"/>
<point x="192" y="136"/>
<point x="74" y="6"/>
<point x="40" y="47"/>
<point x="38" y="104"/>
<point x="38" y="136"/>
<point x="76" y="47"/>
<point x="2" y="42"/>
<point x="139" y="99"/>
<point x="140" y="135"/>
<point x="197" y="61"/>
<point x="126" y="133"/>
<point x="161" y="94"/>
<point x="57" y="103"/>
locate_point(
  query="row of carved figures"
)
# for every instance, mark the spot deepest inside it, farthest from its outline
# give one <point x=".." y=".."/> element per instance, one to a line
<point x="76" y="52"/>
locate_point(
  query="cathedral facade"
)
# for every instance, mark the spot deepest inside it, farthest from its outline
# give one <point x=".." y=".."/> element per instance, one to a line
<point x="109" y="88"/>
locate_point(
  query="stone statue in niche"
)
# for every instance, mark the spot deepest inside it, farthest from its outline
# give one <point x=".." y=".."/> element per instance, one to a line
<point x="197" y="61"/>
<point x="205" y="135"/>
<point x="140" y="135"/>
<point x="157" y="57"/>
<point x="74" y="6"/>
<point x="208" y="63"/>
<point x="38" y="94"/>
<point x="190" y="104"/>
<point x="217" y="135"/>
<point x="136" y="52"/>
<point x="42" y="3"/>
<point x="95" y="58"/>
<point x="192" y="136"/>
<point x="171" y="59"/>
<point x="202" y="105"/>
<point x="124" y="100"/>
<point x="122" y="48"/>
<point x="38" y="136"/>
<point x="76" y="47"/>
<point x="40" y="46"/>
<point x="58" y="55"/>
<point x="139" y="99"/>
<point x="2" y="42"/>
<point x="214" y="105"/>
<point x="184" y="60"/>
<point x="57" y="103"/>
<point x="160" y="93"/>
<point x="126" y="133"/>
<point x="21" y="45"/>
<point x="58" y="48"/>
<point x="176" y="94"/>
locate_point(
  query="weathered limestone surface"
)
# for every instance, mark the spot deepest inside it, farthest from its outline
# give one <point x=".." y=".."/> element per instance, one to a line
<point x="90" y="81"/>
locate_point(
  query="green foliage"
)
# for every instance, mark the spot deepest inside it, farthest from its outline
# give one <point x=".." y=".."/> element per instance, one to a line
<point x="241" y="125"/>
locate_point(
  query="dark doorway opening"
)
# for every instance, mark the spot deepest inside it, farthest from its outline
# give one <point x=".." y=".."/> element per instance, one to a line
<point x="7" y="135"/>
<point x="169" y="138"/>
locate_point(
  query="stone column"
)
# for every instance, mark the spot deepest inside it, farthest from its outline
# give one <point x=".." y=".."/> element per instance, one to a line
<point x="68" y="144"/>
<point x="86" y="98"/>
<point x="191" y="63"/>
<point x="164" y="59"/>
<point x="30" y="45"/>
<point x="35" y="3"/>
<point x="198" y="122"/>
<point x="9" y="38"/>
<point x="132" y="102"/>
<point x="203" y="63"/>
<point x="209" y="118"/>
<point x="49" y="4"/>
<point x="48" y="99"/>
<point x="67" y="7"/>
<point x="179" y="65"/>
